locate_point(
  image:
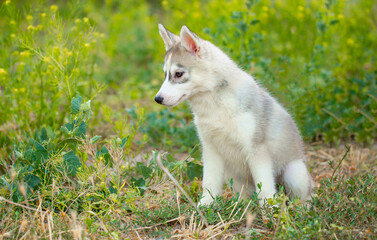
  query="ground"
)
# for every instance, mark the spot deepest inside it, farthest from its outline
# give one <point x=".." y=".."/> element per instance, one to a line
<point x="164" y="213"/>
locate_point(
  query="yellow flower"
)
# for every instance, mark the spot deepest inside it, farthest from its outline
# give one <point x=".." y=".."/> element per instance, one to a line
<point x="29" y="17"/>
<point x="53" y="8"/>
<point x="25" y="53"/>
<point x="265" y="8"/>
<point x="3" y="71"/>
<point x="22" y="90"/>
<point x="13" y="35"/>
<point x="196" y="14"/>
<point x="87" y="45"/>
<point x="340" y="16"/>
<point x="30" y="27"/>
<point x="301" y="8"/>
<point x="67" y="52"/>
<point x="15" y="90"/>
<point x="265" y="15"/>
<point x="55" y="50"/>
<point x="7" y="2"/>
<point x="12" y="22"/>
<point x="164" y="3"/>
<point x="350" y="42"/>
<point x="43" y="15"/>
<point x="77" y="20"/>
<point x="86" y="19"/>
<point x="300" y="15"/>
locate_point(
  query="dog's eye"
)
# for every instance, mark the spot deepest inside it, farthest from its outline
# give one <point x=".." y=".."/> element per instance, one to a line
<point x="179" y="74"/>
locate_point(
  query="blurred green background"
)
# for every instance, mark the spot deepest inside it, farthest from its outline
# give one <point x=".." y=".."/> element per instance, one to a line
<point x="80" y="131"/>
<point x="317" y="57"/>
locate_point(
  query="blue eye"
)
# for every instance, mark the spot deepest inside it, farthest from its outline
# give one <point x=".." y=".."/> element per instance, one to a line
<point x="179" y="74"/>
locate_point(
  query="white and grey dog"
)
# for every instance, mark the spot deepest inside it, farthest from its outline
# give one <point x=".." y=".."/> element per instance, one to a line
<point x="245" y="133"/>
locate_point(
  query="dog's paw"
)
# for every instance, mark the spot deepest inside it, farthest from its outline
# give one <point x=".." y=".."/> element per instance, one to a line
<point x="205" y="201"/>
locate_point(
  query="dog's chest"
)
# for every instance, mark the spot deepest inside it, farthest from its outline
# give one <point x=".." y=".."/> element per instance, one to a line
<point x="231" y="134"/>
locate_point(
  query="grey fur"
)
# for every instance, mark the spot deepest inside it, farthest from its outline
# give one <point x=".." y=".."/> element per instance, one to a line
<point x="222" y="84"/>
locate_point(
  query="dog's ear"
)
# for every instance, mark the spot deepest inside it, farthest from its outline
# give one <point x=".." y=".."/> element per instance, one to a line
<point x="190" y="40"/>
<point x="169" y="38"/>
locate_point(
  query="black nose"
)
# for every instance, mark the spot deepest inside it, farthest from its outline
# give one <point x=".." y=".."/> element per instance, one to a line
<point x="159" y="99"/>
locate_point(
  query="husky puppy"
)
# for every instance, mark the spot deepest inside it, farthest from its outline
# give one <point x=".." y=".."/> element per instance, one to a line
<point x="245" y="133"/>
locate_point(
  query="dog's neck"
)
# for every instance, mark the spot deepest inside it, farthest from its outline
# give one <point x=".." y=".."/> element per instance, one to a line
<point x="202" y="104"/>
<point x="222" y="97"/>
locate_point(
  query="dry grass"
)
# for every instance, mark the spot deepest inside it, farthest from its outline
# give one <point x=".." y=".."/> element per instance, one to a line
<point x="44" y="223"/>
<point x="358" y="160"/>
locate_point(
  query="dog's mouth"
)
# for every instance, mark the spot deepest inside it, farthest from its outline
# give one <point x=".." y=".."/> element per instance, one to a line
<point x="179" y="101"/>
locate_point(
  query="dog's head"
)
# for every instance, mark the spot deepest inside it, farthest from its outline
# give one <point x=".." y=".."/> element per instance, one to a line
<point x="184" y="66"/>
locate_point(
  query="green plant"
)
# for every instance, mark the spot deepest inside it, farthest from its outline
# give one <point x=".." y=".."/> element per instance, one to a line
<point x="50" y="56"/>
<point x="169" y="130"/>
<point x="51" y="154"/>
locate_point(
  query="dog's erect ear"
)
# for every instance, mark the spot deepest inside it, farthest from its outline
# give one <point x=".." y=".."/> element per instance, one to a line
<point x="190" y="40"/>
<point x="169" y="38"/>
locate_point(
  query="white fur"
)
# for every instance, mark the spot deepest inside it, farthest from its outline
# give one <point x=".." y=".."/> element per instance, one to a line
<point x="246" y="134"/>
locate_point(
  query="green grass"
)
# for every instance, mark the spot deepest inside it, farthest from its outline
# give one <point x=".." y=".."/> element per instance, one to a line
<point x="80" y="134"/>
<point x="105" y="199"/>
<point x="65" y="183"/>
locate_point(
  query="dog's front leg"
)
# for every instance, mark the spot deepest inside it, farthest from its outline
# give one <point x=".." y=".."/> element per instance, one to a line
<point x="262" y="171"/>
<point x="213" y="175"/>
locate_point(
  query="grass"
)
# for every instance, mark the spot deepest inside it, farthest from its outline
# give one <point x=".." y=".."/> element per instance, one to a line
<point x="343" y="207"/>
<point x="81" y="137"/>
